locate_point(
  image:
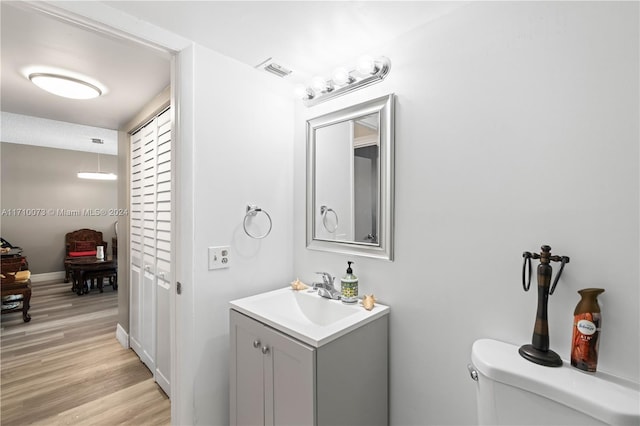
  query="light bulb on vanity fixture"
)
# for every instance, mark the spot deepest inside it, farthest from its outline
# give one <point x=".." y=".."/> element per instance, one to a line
<point x="341" y="76"/>
<point x="303" y="92"/>
<point x="366" y="65"/>
<point x="367" y="71"/>
<point x="320" y="85"/>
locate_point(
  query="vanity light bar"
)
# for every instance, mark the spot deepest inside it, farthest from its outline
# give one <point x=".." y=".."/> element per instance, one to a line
<point x="369" y="71"/>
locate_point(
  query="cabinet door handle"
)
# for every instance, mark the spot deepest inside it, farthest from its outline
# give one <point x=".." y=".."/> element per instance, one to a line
<point x="256" y="343"/>
<point x="265" y="350"/>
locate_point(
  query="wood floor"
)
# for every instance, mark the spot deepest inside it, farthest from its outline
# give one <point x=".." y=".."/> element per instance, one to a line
<point x="66" y="367"/>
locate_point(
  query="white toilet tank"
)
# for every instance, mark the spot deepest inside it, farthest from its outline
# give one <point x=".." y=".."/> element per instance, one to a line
<point x="514" y="391"/>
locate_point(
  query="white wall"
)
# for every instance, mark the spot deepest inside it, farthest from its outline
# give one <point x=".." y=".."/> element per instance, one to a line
<point x="516" y="126"/>
<point x="241" y="125"/>
<point x="44" y="182"/>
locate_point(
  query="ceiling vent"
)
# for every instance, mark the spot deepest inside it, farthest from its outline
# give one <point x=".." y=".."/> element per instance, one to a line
<point x="271" y="66"/>
<point x="96" y="140"/>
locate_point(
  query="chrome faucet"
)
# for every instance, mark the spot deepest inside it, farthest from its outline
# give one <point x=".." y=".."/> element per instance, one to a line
<point x="326" y="288"/>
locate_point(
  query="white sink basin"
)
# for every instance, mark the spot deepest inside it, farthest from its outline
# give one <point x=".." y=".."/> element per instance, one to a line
<point x="306" y="316"/>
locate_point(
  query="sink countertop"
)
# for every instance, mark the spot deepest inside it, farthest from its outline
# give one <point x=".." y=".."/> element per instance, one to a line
<point x="306" y="316"/>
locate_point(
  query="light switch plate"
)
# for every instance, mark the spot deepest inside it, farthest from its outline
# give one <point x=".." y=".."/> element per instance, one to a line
<point x="219" y="257"/>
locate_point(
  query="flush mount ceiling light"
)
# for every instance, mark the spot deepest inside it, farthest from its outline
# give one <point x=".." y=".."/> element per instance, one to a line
<point x="368" y="71"/>
<point x="68" y="87"/>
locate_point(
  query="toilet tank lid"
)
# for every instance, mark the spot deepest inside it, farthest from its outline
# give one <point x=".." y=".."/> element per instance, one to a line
<point x="600" y="395"/>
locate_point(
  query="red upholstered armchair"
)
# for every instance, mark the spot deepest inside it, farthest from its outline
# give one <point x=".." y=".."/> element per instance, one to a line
<point x="79" y="243"/>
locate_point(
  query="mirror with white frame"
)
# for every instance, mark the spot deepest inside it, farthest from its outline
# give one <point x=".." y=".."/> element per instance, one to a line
<point x="350" y="180"/>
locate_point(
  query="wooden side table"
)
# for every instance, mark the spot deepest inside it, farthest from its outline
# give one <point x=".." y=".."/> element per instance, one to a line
<point x="83" y="268"/>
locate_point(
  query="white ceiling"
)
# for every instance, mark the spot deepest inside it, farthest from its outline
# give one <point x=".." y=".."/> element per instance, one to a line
<point x="131" y="74"/>
<point x="309" y="37"/>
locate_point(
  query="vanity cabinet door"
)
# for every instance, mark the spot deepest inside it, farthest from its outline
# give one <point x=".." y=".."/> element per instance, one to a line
<point x="289" y="381"/>
<point x="246" y="375"/>
<point x="272" y="377"/>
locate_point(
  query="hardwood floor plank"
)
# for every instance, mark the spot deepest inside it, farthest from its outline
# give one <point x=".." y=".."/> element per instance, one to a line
<point x="66" y="366"/>
<point x="144" y="400"/>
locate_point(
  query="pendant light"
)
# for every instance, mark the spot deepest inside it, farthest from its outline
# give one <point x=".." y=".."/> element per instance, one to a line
<point x="99" y="175"/>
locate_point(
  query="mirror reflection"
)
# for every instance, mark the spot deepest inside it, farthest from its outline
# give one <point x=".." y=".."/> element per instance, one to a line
<point x="346" y="190"/>
<point x="349" y="184"/>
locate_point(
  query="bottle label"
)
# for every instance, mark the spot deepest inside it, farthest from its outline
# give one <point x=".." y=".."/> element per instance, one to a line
<point x="349" y="289"/>
<point x="586" y="327"/>
<point x="584" y="350"/>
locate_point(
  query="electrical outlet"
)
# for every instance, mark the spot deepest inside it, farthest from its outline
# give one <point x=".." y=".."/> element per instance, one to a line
<point x="219" y="257"/>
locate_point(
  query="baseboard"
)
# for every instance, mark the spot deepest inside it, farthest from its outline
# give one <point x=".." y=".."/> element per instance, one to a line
<point x="122" y="337"/>
<point x="48" y="276"/>
<point x="163" y="382"/>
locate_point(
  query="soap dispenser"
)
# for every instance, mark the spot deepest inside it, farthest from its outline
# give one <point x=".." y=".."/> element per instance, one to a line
<point x="349" y="286"/>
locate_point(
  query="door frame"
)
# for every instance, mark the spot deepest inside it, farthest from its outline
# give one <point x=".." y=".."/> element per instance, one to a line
<point x="103" y="19"/>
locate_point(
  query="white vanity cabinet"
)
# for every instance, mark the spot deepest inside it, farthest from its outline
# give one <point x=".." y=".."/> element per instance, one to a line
<point x="276" y="379"/>
<point x="272" y="376"/>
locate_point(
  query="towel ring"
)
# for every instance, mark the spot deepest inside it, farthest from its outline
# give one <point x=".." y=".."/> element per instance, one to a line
<point x="527" y="263"/>
<point x="324" y="210"/>
<point x="251" y="212"/>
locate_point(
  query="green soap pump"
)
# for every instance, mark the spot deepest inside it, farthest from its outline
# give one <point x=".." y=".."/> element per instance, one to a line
<point x="349" y="286"/>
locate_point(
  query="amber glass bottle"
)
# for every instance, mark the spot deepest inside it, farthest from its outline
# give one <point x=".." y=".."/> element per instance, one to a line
<point x="586" y="330"/>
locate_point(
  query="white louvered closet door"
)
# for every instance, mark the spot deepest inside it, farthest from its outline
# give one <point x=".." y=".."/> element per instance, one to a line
<point x="148" y="288"/>
<point x="135" y="244"/>
<point x="151" y="246"/>
<point x="163" y="251"/>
